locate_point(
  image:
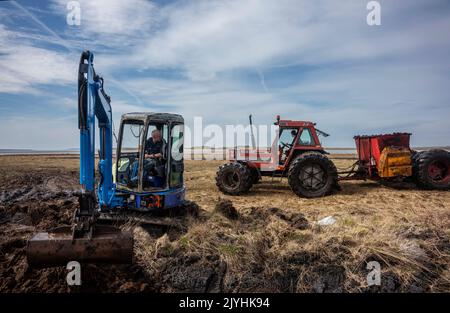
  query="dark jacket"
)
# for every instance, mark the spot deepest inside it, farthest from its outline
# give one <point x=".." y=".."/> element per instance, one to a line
<point x="154" y="147"/>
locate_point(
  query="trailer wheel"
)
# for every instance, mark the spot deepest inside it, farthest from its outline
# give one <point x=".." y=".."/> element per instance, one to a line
<point x="234" y="178"/>
<point x="431" y="169"/>
<point x="414" y="155"/>
<point x="256" y="175"/>
<point x="415" y="165"/>
<point x="312" y="175"/>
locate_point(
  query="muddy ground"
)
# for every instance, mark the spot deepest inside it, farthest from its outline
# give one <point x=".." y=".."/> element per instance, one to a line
<point x="268" y="240"/>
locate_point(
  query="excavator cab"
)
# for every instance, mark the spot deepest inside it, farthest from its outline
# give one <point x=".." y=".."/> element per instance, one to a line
<point x="149" y="166"/>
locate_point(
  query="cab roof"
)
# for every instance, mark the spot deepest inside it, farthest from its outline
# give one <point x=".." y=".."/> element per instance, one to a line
<point x="149" y="117"/>
<point x="291" y="123"/>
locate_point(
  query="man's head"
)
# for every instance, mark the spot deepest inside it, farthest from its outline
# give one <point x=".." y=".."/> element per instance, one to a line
<point x="156" y="135"/>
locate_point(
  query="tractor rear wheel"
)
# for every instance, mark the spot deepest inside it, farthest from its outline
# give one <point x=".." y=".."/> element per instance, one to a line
<point x="312" y="175"/>
<point x="431" y="169"/>
<point x="234" y="178"/>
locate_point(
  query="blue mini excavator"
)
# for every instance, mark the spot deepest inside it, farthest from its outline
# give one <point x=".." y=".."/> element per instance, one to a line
<point x="138" y="181"/>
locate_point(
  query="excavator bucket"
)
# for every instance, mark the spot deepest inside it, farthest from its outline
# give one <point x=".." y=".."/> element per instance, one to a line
<point x="106" y="244"/>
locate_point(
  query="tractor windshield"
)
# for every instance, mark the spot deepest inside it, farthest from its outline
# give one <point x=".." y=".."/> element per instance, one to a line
<point x="287" y="136"/>
<point x="286" y="142"/>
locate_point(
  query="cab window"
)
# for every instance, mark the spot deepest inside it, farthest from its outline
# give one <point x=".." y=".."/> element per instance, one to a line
<point x="306" y="138"/>
<point x="287" y="136"/>
<point x="155" y="157"/>
<point x="176" y="156"/>
<point x="128" y="159"/>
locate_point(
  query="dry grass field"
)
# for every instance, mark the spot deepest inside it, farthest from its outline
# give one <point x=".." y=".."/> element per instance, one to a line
<point x="272" y="244"/>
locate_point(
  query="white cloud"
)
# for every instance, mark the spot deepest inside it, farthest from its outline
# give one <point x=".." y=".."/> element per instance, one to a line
<point x="24" y="66"/>
<point x="28" y="66"/>
<point x="207" y="37"/>
<point x="112" y="19"/>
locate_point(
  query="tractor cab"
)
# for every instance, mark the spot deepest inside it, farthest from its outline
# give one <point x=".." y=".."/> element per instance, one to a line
<point x="149" y="162"/>
<point x="294" y="138"/>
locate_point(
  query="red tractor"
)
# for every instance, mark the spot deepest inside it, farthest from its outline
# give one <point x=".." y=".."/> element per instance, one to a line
<point x="300" y="157"/>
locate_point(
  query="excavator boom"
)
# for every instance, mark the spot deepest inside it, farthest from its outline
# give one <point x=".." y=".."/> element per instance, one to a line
<point x="87" y="240"/>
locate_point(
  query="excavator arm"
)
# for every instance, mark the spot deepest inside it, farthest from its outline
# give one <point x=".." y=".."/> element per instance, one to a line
<point x="94" y="104"/>
<point x="87" y="240"/>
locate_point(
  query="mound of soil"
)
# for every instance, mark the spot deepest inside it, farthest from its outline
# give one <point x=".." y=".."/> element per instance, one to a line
<point x="226" y="208"/>
<point x="296" y="220"/>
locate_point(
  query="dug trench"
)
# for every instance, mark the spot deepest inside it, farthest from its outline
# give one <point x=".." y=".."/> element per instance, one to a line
<point x="222" y="245"/>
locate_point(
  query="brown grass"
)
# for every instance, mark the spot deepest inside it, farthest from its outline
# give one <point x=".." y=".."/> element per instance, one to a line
<point x="406" y="230"/>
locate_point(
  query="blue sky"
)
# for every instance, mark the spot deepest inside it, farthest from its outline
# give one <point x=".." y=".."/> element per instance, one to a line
<point x="222" y="60"/>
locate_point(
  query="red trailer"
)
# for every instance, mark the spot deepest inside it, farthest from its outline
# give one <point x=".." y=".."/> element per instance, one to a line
<point x="387" y="155"/>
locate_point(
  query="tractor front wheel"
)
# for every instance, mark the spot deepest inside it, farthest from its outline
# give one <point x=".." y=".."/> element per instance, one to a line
<point x="312" y="175"/>
<point x="234" y="178"/>
<point x="431" y="169"/>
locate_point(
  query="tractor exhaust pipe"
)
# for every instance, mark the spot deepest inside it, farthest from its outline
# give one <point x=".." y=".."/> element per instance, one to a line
<point x="251" y="131"/>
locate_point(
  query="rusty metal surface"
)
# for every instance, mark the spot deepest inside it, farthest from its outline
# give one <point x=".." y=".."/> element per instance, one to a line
<point x="394" y="162"/>
<point x="57" y="247"/>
